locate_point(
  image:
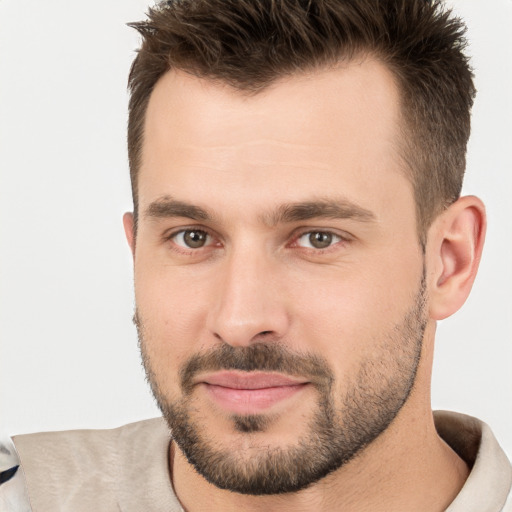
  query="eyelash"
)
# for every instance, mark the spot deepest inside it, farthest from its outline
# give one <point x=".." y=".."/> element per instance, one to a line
<point x="337" y="239"/>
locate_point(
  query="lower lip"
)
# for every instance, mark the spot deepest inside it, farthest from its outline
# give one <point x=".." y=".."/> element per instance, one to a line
<point x="251" y="401"/>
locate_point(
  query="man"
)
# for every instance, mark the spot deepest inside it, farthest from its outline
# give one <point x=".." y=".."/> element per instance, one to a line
<point x="297" y="233"/>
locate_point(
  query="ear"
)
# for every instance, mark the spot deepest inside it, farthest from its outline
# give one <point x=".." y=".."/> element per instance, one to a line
<point x="129" y="225"/>
<point x="454" y="249"/>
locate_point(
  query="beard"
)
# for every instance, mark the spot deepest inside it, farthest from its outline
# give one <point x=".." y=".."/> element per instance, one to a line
<point x="342" y="425"/>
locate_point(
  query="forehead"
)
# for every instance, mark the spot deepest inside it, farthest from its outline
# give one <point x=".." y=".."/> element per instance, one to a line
<point x="350" y="92"/>
<point x="337" y="126"/>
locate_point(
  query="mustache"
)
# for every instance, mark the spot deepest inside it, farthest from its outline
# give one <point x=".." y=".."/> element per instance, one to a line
<point x="268" y="357"/>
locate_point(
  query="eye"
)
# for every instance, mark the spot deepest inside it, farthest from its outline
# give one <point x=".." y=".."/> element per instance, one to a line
<point x="192" y="238"/>
<point x="318" y="239"/>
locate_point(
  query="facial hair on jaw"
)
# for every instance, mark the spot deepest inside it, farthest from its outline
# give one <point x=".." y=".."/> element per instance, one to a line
<point x="334" y="434"/>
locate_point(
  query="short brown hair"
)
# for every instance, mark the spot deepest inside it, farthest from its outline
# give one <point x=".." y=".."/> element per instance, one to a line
<point x="249" y="44"/>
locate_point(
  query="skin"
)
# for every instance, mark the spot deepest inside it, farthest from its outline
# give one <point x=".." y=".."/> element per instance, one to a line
<point x="330" y="135"/>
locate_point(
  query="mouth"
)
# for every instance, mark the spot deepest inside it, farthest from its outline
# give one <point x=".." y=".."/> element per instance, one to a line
<point x="250" y="393"/>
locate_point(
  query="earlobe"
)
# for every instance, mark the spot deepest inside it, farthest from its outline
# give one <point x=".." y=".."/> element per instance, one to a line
<point x="128" y="223"/>
<point x="454" y="251"/>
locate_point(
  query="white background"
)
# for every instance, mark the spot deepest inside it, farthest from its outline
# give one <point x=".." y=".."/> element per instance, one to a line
<point x="68" y="352"/>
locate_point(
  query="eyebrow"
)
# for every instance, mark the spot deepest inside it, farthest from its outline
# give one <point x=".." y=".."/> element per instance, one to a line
<point x="168" y="207"/>
<point x="321" y="208"/>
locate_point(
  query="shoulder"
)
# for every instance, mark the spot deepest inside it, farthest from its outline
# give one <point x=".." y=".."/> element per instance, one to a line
<point x="13" y="495"/>
<point x="92" y="467"/>
<point x="81" y="452"/>
<point x="97" y="444"/>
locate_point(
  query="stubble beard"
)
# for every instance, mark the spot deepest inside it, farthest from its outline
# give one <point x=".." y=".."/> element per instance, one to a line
<point x="334" y="434"/>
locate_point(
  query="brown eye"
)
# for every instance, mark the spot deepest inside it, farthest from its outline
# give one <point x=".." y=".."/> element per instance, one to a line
<point x="318" y="239"/>
<point x="192" y="238"/>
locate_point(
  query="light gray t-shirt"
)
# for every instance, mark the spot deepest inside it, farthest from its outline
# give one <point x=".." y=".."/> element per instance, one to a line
<point x="132" y="475"/>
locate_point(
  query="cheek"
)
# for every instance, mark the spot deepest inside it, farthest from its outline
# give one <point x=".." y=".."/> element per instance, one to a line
<point x="346" y="317"/>
<point x="169" y="306"/>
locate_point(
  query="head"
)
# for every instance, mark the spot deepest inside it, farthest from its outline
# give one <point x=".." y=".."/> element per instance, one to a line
<point x="296" y="168"/>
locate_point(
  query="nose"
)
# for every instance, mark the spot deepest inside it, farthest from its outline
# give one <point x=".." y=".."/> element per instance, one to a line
<point x="249" y="304"/>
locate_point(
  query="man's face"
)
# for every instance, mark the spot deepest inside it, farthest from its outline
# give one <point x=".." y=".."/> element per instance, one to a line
<point x="279" y="279"/>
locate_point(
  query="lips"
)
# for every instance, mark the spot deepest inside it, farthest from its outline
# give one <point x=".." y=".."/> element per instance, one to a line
<point x="250" y="393"/>
<point x="253" y="380"/>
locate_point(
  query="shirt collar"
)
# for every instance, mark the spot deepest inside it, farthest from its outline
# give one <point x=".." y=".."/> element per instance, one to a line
<point x="490" y="480"/>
